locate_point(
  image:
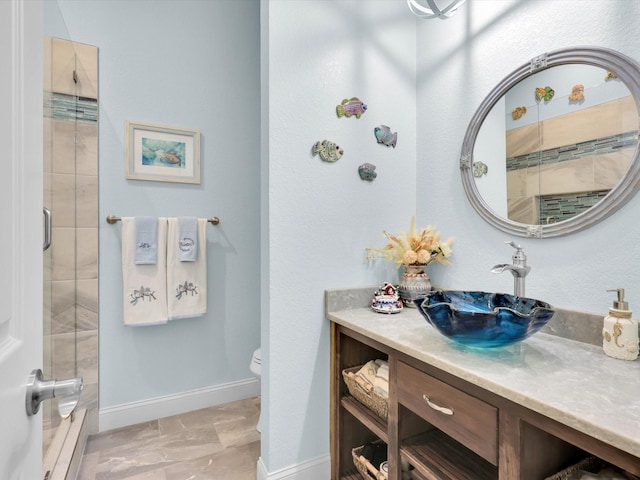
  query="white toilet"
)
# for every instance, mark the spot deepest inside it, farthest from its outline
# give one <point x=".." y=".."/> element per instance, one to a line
<point x="255" y="367"/>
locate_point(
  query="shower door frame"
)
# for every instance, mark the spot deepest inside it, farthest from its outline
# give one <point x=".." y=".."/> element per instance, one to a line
<point x="70" y="164"/>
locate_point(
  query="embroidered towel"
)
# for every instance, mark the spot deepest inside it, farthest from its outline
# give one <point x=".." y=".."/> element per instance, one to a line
<point x="144" y="286"/>
<point x="186" y="281"/>
<point x="368" y="373"/>
<point x="146" y="241"/>
<point x="188" y="238"/>
<point x="381" y="382"/>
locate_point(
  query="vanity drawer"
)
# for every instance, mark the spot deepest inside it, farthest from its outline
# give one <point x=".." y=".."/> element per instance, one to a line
<point x="463" y="417"/>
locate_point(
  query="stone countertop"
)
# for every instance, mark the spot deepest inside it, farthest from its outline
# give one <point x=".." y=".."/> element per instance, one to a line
<point x="571" y="382"/>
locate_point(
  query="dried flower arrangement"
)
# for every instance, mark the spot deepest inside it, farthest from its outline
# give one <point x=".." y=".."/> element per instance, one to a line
<point x="414" y="247"/>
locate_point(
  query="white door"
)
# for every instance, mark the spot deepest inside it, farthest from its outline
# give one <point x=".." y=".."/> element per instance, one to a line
<point x="20" y="234"/>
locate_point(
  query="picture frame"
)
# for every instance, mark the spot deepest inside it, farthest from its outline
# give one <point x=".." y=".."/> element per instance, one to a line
<point x="161" y="153"/>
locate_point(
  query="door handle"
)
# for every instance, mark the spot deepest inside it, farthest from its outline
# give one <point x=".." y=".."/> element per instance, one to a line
<point x="66" y="391"/>
<point x="47" y="228"/>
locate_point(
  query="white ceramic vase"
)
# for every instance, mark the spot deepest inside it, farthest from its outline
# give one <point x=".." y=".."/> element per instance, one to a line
<point x="414" y="283"/>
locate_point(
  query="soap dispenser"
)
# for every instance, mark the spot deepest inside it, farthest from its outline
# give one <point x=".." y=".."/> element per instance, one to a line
<point x="620" y="331"/>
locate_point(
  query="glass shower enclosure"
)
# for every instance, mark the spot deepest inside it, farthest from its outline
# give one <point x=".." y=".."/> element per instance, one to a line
<point x="70" y="273"/>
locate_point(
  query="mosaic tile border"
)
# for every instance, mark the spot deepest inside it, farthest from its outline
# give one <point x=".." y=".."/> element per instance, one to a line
<point x="557" y="208"/>
<point x="70" y="107"/>
<point x="598" y="146"/>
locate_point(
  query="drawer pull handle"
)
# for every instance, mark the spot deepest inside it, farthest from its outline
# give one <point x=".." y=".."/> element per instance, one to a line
<point x="446" y="411"/>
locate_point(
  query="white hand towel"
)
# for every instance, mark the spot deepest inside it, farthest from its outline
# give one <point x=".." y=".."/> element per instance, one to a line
<point x="146" y="252"/>
<point x="186" y="281"/>
<point x="188" y="238"/>
<point x="144" y="286"/>
<point x="381" y="382"/>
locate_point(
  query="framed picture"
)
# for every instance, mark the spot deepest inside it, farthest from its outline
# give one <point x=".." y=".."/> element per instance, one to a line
<point x="162" y="154"/>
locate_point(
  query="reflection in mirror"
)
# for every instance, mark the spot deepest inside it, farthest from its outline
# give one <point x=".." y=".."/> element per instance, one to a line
<point x="554" y="147"/>
<point x="565" y="153"/>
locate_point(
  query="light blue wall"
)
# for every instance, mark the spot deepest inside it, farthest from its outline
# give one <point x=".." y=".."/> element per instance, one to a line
<point x="477" y="48"/>
<point x="54" y="24"/>
<point x="321" y="216"/>
<point x="192" y="64"/>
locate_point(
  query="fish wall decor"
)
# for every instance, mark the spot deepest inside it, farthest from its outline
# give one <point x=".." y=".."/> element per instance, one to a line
<point x="367" y="171"/>
<point x="545" y="93"/>
<point x="577" y="93"/>
<point x="480" y="169"/>
<point x="385" y="137"/>
<point x="328" y="151"/>
<point x="517" y="112"/>
<point x="351" y="106"/>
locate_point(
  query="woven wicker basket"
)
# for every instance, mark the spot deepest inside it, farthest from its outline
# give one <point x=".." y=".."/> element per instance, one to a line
<point x="368" y="471"/>
<point x="589" y="464"/>
<point x="367" y="396"/>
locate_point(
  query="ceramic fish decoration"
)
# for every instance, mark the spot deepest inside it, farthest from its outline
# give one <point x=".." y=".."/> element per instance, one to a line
<point x="328" y="151"/>
<point x="349" y="107"/>
<point x="367" y="172"/>
<point x="384" y="136"/>
<point x="517" y="112"/>
<point x="480" y="169"/>
<point x="577" y="93"/>
<point x="545" y="93"/>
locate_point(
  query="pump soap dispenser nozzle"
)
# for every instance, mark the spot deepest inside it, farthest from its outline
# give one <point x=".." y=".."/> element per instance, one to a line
<point x="620" y="306"/>
<point x="620" y="331"/>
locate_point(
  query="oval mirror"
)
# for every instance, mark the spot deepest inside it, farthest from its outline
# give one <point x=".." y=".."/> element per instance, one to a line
<point x="553" y="148"/>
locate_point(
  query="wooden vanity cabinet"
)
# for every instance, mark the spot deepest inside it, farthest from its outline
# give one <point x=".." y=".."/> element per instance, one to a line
<point x="352" y="424"/>
<point x="448" y="428"/>
<point x="464" y="418"/>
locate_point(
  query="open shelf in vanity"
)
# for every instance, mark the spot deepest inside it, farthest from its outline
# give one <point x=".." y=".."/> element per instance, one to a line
<point x="485" y="437"/>
<point x="436" y="455"/>
<point x="353" y="423"/>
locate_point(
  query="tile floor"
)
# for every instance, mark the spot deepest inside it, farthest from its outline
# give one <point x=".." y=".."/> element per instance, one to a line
<point x="214" y="443"/>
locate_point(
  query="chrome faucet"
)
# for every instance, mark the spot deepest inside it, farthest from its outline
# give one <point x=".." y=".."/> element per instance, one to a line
<point x="518" y="269"/>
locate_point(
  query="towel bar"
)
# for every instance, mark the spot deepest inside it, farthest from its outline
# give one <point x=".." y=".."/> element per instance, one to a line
<point x="111" y="219"/>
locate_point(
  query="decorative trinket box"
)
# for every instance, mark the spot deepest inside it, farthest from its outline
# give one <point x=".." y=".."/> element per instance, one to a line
<point x="386" y="300"/>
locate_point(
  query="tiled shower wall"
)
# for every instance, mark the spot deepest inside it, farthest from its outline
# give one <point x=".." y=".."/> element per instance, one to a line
<point x="569" y="189"/>
<point x="71" y="193"/>
<point x="589" y="148"/>
<point x="555" y="172"/>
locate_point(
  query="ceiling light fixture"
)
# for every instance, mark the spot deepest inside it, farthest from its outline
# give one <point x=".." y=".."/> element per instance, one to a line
<point x="429" y="9"/>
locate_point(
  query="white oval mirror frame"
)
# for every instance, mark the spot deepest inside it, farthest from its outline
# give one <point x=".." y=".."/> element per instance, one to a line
<point x="627" y="70"/>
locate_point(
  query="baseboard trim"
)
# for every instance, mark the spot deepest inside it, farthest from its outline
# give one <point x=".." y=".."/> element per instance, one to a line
<point x="315" y="469"/>
<point x="159" y="407"/>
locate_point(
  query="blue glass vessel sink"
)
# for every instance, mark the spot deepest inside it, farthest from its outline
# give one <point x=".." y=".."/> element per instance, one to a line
<point x="483" y="319"/>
